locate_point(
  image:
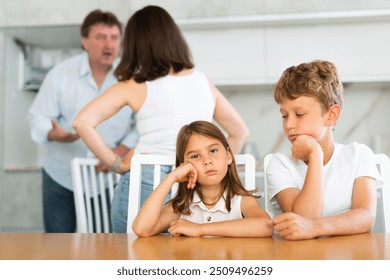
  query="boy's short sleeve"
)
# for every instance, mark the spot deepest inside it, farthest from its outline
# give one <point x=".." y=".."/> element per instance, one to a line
<point x="367" y="165"/>
<point x="281" y="174"/>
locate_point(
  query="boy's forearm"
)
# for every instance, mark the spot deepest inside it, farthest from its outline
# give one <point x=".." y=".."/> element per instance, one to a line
<point x="309" y="202"/>
<point x="352" y="222"/>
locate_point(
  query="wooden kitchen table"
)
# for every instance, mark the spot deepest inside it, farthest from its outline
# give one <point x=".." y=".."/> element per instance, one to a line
<point x="76" y="246"/>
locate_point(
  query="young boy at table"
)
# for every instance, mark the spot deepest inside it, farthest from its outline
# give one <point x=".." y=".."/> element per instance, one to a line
<point x="323" y="188"/>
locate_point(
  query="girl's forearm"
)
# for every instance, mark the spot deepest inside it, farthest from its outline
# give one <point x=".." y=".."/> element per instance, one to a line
<point x="246" y="227"/>
<point x="149" y="215"/>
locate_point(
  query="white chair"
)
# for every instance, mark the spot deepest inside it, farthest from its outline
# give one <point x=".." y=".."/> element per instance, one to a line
<point x="267" y="205"/>
<point x="382" y="223"/>
<point x="247" y="161"/>
<point x="93" y="194"/>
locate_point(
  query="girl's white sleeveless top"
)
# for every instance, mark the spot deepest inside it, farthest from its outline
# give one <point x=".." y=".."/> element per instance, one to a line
<point x="202" y="215"/>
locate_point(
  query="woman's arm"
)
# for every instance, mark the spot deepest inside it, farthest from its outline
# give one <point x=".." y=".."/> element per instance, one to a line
<point x="254" y="224"/>
<point x="230" y="120"/>
<point x="101" y="108"/>
<point x="360" y="219"/>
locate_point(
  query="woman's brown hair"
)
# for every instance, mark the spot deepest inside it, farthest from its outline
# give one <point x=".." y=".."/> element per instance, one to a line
<point x="152" y="45"/>
<point x="231" y="183"/>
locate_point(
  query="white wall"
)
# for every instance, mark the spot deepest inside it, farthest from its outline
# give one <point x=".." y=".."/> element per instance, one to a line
<point x="364" y="119"/>
<point x="55" y="12"/>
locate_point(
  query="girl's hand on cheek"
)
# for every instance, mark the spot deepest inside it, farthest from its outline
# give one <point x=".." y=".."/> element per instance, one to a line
<point x="187" y="172"/>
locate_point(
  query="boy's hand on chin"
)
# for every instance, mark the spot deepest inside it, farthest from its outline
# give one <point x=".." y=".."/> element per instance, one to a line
<point x="304" y="146"/>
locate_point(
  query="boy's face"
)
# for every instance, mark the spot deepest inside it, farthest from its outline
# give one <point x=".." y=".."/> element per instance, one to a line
<point x="304" y="116"/>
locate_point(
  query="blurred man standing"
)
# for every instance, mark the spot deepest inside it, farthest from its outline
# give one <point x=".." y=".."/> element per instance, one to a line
<point x="66" y="89"/>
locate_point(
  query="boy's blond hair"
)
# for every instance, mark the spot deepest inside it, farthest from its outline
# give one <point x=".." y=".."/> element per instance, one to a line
<point x="318" y="79"/>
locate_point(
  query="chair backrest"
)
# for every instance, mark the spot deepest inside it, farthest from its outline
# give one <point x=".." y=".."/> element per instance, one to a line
<point x="93" y="194"/>
<point x="267" y="204"/>
<point x="383" y="210"/>
<point x="137" y="161"/>
<point x="247" y="161"/>
<point x="382" y="223"/>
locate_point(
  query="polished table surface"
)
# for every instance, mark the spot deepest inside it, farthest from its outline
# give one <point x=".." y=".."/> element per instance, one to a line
<point x="75" y="246"/>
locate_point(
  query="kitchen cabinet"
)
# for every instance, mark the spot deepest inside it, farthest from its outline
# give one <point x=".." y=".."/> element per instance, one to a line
<point x="252" y="51"/>
<point x="40" y="48"/>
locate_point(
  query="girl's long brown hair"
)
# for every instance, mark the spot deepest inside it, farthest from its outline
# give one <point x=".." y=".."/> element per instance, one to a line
<point x="231" y="183"/>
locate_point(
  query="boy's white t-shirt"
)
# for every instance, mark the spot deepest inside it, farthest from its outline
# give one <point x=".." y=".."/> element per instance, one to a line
<point x="202" y="215"/>
<point x="347" y="163"/>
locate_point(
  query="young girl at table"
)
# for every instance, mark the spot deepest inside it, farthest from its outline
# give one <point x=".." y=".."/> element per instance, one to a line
<point x="211" y="200"/>
<point x="323" y="188"/>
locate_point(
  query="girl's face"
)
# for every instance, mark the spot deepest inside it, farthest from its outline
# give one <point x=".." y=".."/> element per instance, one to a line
<point x="209" y="157"/>
<point x="304" y="115"/>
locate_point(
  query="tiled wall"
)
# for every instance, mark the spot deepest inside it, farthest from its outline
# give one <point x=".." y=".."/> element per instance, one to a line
<point x="364" y="118"/>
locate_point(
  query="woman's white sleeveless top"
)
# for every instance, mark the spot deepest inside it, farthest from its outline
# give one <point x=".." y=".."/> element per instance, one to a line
<point x="171" y="103"/>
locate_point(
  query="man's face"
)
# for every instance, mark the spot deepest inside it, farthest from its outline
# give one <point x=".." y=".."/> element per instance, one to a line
<point x="102" y="45"/>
